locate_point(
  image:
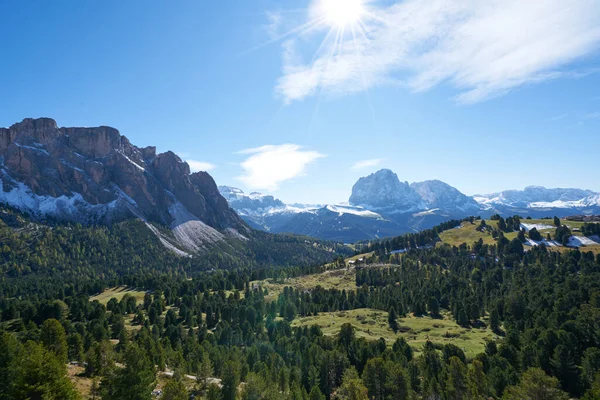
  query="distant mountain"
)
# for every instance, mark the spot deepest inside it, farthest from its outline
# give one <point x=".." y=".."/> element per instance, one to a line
<point x="383" y="190"/>
<point x="250" y="204"/>
<point x="533" y="195"/>
<point x="439" y="195"/>
<point x="382" y="205"/>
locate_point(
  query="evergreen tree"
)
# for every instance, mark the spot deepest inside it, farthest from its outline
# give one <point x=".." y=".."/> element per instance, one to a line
<point x="434" y="307"/>
<point x="535" y="385"/>
<point x="494" y="320"/>
<point x="535" y="235"/>
<point x="393" y="320"/>
<point x="316" y="394"/>
<point x="565" y="369"/>
<point x="398" y="382"/>
<point x="375" y="378"/>
<point x="54" y="338"/>
<point x="456" y="381"/>
<point x="476" y="381"/>
<point x="9" y="349"/>
<point x="175" y="390"/>
<point x="40" y="374"/>
<point x="135" y="381"/>
<point x="590" y="365"/>
<point x="352" y="387"/>
<point x="75" y="347"/>
<point x="230" y="380"/>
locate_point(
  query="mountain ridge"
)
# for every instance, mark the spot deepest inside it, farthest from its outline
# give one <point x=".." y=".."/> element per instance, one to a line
<point x="95" y="175"/>
<point x="382" y="205"/>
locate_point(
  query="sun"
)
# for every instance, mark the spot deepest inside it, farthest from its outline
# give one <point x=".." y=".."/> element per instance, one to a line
<point x="341" y="13"/>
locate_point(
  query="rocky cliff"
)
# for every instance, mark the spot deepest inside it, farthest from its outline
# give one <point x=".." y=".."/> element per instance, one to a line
<point x="95" y="175"/>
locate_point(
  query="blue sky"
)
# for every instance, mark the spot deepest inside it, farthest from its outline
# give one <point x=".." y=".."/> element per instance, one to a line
<point x="490" y="96"/>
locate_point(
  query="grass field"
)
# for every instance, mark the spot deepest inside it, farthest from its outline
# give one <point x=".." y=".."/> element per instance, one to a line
<point x="332" y="279"/>
<point x="118" y="293"/>
<point x="372" y="325"/>
<point x="468" y="233"/>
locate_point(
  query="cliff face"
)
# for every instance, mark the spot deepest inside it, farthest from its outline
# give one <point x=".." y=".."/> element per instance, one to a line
<point x="95" y="175"/>
<point x="383" y="190"/>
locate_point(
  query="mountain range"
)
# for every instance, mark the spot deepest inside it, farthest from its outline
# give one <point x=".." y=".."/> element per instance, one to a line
<point x="381" y="205"/>
<point x="96" y="176"/>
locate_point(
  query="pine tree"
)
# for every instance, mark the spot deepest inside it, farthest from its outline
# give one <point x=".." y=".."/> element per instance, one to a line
<point x="476" y="382"/>
<point x="54" y="338"/>
<point x="352" y="387"/>
<point x="316" y="394"/>
<point x="494" y="320"/>
<point x="135" y="381"/>
<point x="40" y="374"/>
<point x="535" y="385"/>
<point x="175" y="390"/>
<point x="565" y="369"/>
<point x="230" y="380"/>
<point x="456" y="381"/>
<point x="392" y="320"/>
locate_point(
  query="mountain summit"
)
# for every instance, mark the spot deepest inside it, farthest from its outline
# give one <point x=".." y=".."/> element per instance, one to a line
<point x="383" y="190"/>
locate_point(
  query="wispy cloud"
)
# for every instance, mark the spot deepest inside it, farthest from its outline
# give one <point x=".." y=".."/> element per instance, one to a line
<point x="196" y="166"/>
<point x="593" y="115"/>
<point x="274" y="22"/>
<point x="482" y="48"/>
<point x="367" y="163"/>
<point x="558" y="117"/>
<point x="268" y="166"/>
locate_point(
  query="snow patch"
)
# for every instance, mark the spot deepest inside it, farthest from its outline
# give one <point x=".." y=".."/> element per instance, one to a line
<point x="23" y="198"/>
<point x="132" y="162"/>
<point x="353" y="210"/>
<point x="538" y="227"/>
<point x="578" y="241"/>
<point x="426" y="212"/>
<point x="32" y="148"/>
<point x="547" y="243"/>
<point x="64" y="162"/>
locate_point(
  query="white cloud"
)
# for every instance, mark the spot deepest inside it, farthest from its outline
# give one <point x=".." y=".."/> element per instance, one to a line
<point x="483" y="48"/>
<point x="367" y="163"/>
<point x="270" y="165"/>
<point x="196" y="166"/>
<point x="274" y="22"/>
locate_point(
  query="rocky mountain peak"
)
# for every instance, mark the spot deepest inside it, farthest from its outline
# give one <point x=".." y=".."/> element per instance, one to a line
<point x="383" y="189"/>
<point x="95" y="175"/>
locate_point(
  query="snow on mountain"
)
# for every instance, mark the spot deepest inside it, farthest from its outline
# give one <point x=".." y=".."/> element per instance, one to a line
<point x="347" y="209"/>
<point x="253" y="203"/>
<point x="539" y="197"/>
<point x="97" y="176"/>
<point x="382" y="205"/>
<point x="590" y="201"/>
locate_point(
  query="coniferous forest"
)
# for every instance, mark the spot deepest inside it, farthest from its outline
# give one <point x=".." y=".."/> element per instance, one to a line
<point x="209" y="320"/>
